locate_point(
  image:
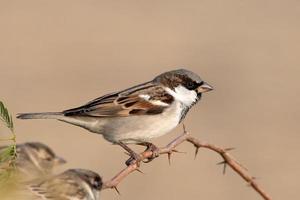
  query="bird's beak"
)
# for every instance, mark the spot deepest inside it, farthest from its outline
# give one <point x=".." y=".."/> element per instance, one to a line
<point x="205" y="87"/>
<point x="59" y="161"/>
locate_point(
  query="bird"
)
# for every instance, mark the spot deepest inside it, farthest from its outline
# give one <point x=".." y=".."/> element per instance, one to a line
<point x="35" y="159"/>
<point x="75" y="184"/>
<point x="137" y="114"/>
<point x="72" y="184"/>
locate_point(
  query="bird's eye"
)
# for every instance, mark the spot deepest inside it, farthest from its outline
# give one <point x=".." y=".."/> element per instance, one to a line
<point x="191" y="85"/>
<point x="97" y="184"/>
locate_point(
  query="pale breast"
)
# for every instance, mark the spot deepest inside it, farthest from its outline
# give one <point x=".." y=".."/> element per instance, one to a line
<point x="142" y="128"/>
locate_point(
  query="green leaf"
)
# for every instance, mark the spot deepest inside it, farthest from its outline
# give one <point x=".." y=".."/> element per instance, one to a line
<point x="6" y="117"/>
<point x="7" y="153"/>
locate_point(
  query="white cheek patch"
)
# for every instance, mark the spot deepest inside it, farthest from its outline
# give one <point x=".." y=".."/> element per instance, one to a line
<point x="185" y="96"/>
<point x="88" y="189"/>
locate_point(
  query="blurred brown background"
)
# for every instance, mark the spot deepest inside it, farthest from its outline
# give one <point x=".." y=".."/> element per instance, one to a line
<point x="60" y="54"/>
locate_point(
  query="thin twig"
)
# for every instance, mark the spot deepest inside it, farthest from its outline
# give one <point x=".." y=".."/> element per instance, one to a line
<point x="170" y="148"/>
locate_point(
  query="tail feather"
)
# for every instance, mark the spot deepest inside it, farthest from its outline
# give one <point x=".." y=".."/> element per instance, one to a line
<point x="44" y="115"/>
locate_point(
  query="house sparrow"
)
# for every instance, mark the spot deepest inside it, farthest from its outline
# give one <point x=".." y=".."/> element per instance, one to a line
<point x="73" y="184"/>
<point x="139" y="113"/>
<point x="35" y="159"/>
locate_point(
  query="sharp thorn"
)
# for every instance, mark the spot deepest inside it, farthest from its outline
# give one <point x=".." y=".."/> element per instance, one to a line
<point x="176" y="151"/>
<point x="221" y="163"/>
<point x="224" y="168"/>
<point x="224" y="163"/>
<point x="169" y="158"/>
<point x="196" y="153"/>
<point x="184" y="128"/>
<point x="139" y="171"/>
<point x="229" y="149"/>
<point x="116" y="189"/>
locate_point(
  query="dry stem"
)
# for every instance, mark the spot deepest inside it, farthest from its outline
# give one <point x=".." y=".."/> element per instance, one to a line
<point x="170" y="148"/>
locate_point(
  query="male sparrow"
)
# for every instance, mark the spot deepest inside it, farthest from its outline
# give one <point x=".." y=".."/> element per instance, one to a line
<point x="35" y="159"/>
<point x="72" y="184"/>
<point x="139" y="113"/>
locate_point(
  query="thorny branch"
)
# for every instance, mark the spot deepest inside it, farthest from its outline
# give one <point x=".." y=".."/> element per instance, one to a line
<point x="170" y="148"/>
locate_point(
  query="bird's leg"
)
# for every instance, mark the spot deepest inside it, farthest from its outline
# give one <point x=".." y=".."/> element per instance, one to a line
<point x="134" y="157"/>
<point x="150" y="147"/>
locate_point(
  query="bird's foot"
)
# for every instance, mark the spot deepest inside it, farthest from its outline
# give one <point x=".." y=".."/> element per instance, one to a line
<point x="151" y="147"/>
<point x="135" y="158"/>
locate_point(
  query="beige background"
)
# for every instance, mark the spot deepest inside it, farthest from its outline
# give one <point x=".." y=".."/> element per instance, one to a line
<point x="60" y="54"/>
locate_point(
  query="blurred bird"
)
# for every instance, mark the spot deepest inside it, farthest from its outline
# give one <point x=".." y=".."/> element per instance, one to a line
<point x="35" y="159"/>
<point x="137" y="114"/>
<point x="73" y="184"/>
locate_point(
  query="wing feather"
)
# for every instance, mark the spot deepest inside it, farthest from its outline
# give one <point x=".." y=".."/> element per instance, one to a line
<point x="127" y="102"/>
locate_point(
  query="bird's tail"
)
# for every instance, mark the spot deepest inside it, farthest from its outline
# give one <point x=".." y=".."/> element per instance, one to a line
<point x="44" y="115"/>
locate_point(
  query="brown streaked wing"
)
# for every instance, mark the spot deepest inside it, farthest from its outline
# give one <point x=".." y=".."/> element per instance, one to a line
<point x="125" y="103"/>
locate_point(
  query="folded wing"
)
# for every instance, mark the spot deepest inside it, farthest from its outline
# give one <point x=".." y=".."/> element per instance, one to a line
<point x="145" y="99"/>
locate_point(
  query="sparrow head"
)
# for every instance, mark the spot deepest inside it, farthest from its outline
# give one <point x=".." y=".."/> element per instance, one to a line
<point x="39" y="155"/>
<point x="91" y="178"/>
<point x="184" y="85"/>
